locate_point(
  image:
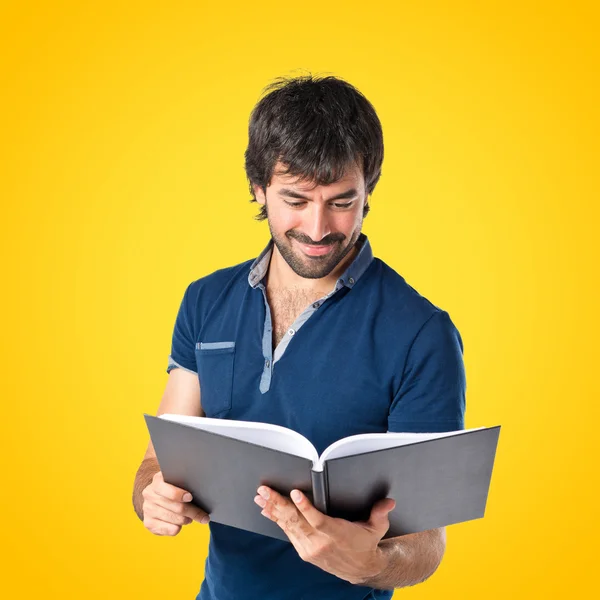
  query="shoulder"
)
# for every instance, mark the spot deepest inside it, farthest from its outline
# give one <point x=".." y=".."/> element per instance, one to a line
<point x="203" y="293"/>
<point x="218" y="280"/>
<point x="396" y="293"/>
<point x="404" y="306"/>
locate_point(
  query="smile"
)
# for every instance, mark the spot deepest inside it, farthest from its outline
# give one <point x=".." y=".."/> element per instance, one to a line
<point x="316" y="250"/>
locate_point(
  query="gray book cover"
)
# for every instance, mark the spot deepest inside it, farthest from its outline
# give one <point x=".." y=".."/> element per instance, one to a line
<point x="435" y="482"/>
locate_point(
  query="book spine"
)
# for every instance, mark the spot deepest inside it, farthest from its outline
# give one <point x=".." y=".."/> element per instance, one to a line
<point x="326" y="486"/>
<point x="319" y="490"/>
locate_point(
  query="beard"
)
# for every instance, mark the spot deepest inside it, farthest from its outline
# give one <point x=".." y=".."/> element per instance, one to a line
<point x="313" y="267"/>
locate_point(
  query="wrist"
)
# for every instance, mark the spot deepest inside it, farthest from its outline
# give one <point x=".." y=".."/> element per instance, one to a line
<point x="376" y="567"/>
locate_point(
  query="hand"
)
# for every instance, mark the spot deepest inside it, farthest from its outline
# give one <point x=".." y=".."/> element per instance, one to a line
<point x="343" y="548"/>
<point x="166" y="508"/>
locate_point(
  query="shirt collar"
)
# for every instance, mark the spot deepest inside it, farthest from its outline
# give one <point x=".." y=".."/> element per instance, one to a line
<point x="349" y="277"/>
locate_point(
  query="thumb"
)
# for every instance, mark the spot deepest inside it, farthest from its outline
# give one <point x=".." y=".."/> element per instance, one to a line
<point x="379" y="519"/>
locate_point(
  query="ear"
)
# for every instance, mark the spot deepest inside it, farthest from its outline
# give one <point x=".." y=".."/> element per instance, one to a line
<point x="259" y="194"/>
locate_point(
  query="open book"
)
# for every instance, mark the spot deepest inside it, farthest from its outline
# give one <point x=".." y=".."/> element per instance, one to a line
<point x="436" y="479"/>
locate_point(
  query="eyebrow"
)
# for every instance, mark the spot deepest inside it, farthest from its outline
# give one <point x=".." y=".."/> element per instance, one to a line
<point x="292" y="194"/>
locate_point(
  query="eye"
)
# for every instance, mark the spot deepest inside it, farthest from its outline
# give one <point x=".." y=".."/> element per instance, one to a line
<point x="295" y="204"/>
<point x="343" y="205"/>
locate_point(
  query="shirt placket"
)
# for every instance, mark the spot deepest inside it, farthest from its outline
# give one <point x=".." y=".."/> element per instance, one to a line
<point x="270" y="357"/>
<point x="267" y="345"/>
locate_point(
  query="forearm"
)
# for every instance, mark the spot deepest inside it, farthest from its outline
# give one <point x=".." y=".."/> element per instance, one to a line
<point x="143" y="478"/>
<point x="408" y="559"/>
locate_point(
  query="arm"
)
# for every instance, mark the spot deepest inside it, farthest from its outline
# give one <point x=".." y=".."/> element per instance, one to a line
<point x="431" y="397"/>
<point x="408" y="559"/>
<point x="181" y="396"/>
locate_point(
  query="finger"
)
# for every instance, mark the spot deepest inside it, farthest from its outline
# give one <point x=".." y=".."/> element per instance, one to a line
<point x="379" y="519"/>
<point x="197" y="514"/>
<point x="166" y="490"/>
<point x="160" y="527"/>
<point x="166" y="516"/>
<point x="183" y="508"/>
<point x="315" y="518"/>
<point x="285" y="514"/>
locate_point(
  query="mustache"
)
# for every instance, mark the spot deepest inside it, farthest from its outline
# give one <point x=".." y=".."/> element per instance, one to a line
<point x="326" y="241"/>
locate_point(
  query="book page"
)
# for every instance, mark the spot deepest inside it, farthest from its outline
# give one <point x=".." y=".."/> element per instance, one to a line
<point x="261" y="434"/>
<point x="369" y="442"/>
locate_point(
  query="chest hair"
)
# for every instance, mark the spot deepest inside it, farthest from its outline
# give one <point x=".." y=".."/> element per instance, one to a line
<point x="286" y="306"/>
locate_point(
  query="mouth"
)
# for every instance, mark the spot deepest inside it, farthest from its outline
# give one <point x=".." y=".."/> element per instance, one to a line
<point x="313" y="250"/>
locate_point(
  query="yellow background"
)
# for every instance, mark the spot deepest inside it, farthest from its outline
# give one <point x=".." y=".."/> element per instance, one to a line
<point x="123" y="132"/>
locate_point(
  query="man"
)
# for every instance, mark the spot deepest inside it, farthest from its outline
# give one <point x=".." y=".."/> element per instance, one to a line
<point x="322" y="338"/>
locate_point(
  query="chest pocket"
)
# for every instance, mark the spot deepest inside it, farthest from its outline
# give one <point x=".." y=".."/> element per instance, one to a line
<point x="215" y="372"/>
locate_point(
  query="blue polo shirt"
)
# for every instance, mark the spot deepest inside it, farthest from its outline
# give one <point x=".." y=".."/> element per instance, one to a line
<point x="371" y="356"/>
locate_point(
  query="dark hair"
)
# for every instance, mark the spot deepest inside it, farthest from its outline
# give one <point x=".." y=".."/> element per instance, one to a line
<point x="317" y="127"/>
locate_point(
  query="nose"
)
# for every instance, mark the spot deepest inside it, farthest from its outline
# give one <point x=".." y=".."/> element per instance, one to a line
<point x="317" y="226"/>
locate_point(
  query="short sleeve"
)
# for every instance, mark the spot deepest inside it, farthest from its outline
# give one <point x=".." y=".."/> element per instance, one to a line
<point x="432" y="392"/>
<point x="183" y="344"/>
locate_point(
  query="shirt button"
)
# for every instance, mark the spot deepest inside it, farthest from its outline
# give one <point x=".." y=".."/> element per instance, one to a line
<point x="267" y="363"/>
<point x="291" y="332"/>
<point x="316" y="305"/>
<point x="350" y="281"/>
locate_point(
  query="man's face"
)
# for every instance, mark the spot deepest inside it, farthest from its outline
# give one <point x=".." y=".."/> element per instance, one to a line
<point x="314" y="227"/>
